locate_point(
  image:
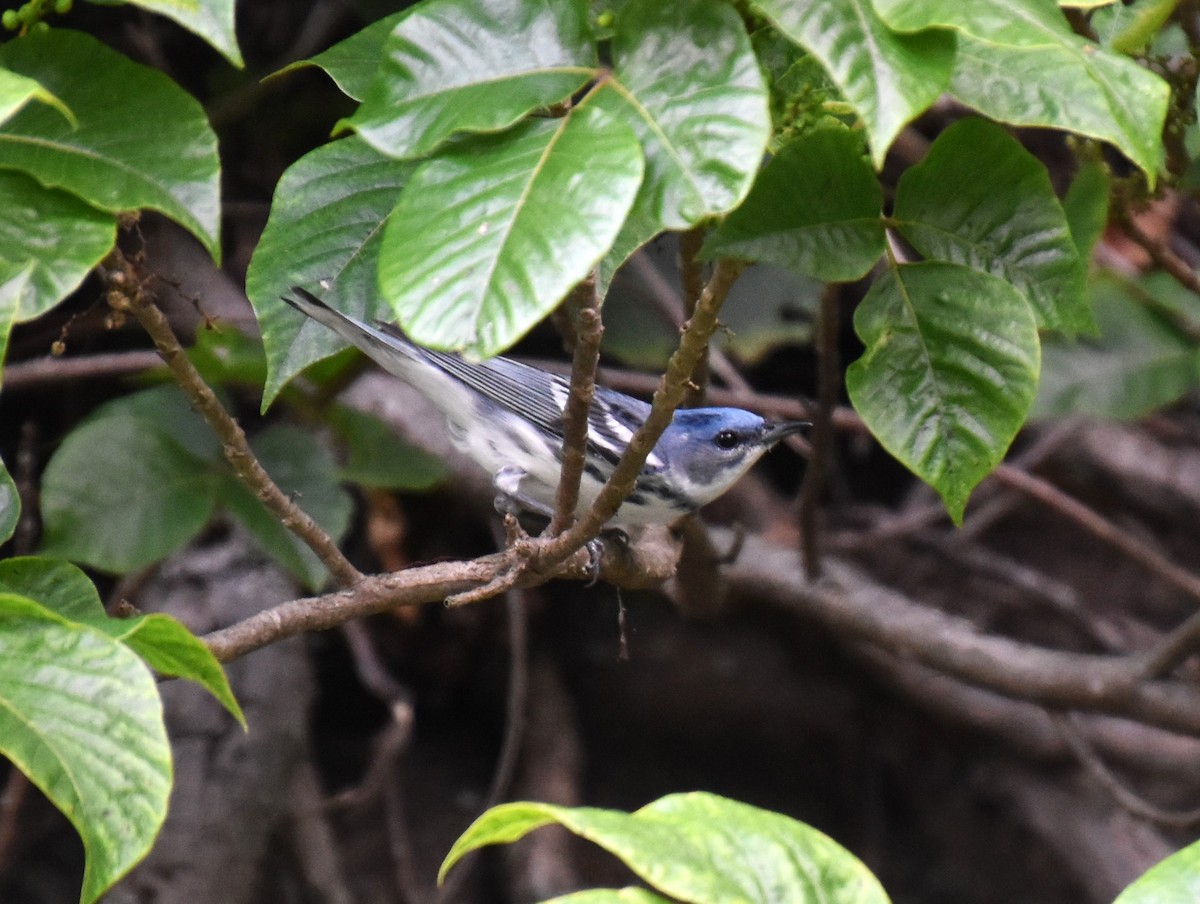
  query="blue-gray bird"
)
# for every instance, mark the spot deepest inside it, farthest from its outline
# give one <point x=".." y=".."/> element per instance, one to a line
<point x="508" y="417"/>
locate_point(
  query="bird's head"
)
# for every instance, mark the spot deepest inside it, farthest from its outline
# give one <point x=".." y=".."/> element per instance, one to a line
<point x="707" y="449"/>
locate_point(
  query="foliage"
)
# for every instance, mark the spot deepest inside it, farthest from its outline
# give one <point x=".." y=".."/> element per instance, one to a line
<point x="1175" y="878"/>
<point x="697" y="848"/>
<point x="481" y="182"/>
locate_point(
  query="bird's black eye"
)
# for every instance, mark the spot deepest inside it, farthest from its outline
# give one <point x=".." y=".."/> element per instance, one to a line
<point x="726" y="439"/>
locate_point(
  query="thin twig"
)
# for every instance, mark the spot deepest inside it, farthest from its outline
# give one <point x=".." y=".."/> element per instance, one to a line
<point x="1174" y="647"/>
<point x="829" y="379"/>
<point x="667" y="397"/>
<point x="1099" y="526"/>
<point x="41" y="371"/>
<point x="1123" y="795"/>
<point x="691" y="281"/>
<point x="128" y="293"/>
<point x="1160" y="253"/>
<point x="585" y="302"/>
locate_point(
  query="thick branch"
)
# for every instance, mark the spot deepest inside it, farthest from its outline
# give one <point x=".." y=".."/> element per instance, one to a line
<point x="856" y="607"/>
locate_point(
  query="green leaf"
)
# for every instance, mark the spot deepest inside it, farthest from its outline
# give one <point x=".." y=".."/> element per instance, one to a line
<point x="325" y="228"/>
<point x="890" y="78"/>
<point x="631" y="895"/>
<point x="766" y="308"/>
<point x="80" y="715"/>
<point x="1128" y="28"/>
<point x="305" y="470"/>
<point x="379" y="458"/>
<point x="141" y="141"/>
<point x="14" y="287"/>
<point x="1010" y="224"/>
<point x="1086" y="207"/>
<point x="224" y="355"/>
<point x="1172" y="880"/>
<point x="211" y="20"/>
<point x="144" y="474"/>
<point x="1140" y="362"/>
<point x="57" y="240"/>
<point x="698" y="847"/>
<point x="686" y="79"/>
<point x="17" y="90"/>
<point x="352" y="63"/>
<point x="949" y="372"/>
<point x="120" y="494"/>
<point x="452" y="67"/>
<point x="488" y="237"/>
<point x="815" y="209"/>
<point x="10" y="504"/>
<point x="1019" y="62"/>
<point x="162" y="641"/>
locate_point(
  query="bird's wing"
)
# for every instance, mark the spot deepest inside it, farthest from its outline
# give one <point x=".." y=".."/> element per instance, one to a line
<point x="540" y="397"/>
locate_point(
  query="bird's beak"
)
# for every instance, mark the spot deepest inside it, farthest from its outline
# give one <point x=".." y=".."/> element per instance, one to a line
<point x="776" y="432"/>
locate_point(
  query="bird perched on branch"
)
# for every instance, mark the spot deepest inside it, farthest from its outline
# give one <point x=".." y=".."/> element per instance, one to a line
<point x="508" y="417"/>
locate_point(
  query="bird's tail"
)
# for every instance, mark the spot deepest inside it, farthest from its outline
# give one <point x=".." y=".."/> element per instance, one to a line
<point x="394" y="352"/>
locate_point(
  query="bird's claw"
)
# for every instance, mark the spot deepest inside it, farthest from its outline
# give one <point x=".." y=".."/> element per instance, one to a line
<point x="595" y="548"/>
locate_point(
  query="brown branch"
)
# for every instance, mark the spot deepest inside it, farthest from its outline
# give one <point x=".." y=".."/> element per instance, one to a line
<point x="829" y="379"/>
<point x="667" y="397"/>
<point x="50" y="369"/>
<point x="589" y="329"/>
<point x="1100" y="527"/>
<point x="1123" y="795"/>
<point x="1176" y="646"/>
<point x="691" y="281"/>
<point x="128" y="293"/>
<point x="855" y="607"/>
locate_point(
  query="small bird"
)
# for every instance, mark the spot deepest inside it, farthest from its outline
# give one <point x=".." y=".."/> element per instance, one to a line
<point x="508" y="417"/>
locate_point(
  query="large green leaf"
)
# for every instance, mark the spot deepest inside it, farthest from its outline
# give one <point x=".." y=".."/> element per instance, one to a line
<point x="1172" y="880"/>
<point x="452" y="67"/>
<point x="815" y="209"/>
<point x="981" y="200"/>
<point x="1021" y="63"/>
<point x="17" y="90"/>
<point x="352" y="63"/>
<point x="120" y="494"/>
<point x="325" y="228"/>
<point x="171" y="476"/>
<point x="211" y="20"/>
<point x="10" y="504"/>
<point x="687" y="81"/>
<point x="890" y="78"/>
<point x="488" y="237"/>
<point x="80" y="715"/>
<point x="949" y="372"/>
<point x="141" y="141"/>
<point x="57" y="237"/>
<point x="698" y="847"/>
<point x="162" y="641"/>
<point x="1140" y="361"/>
